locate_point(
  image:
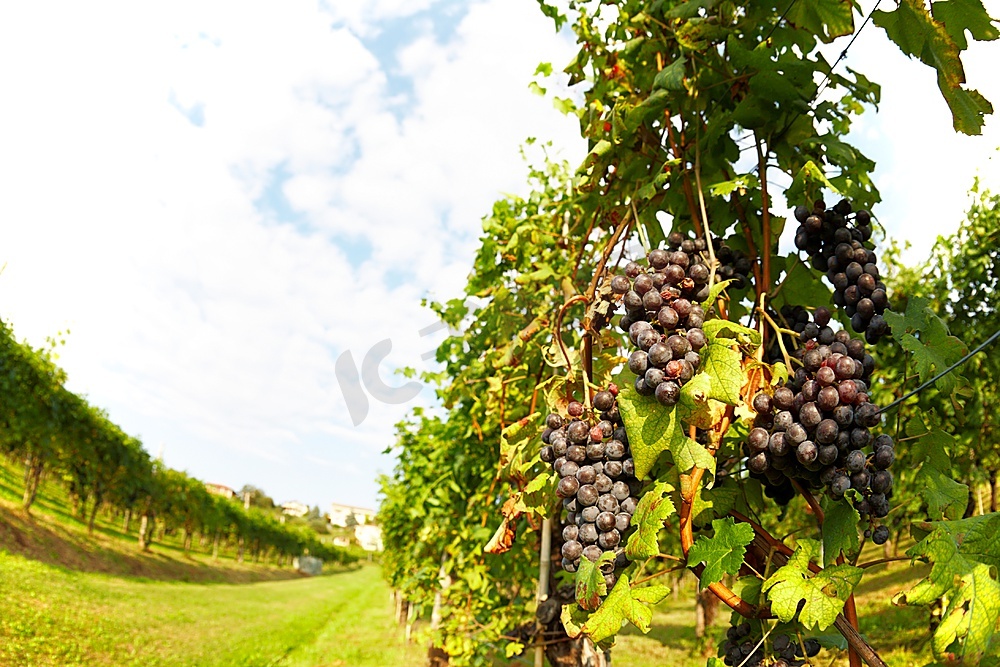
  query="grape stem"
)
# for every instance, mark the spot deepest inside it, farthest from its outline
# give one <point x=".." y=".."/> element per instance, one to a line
<point x="751" y="246"/>
<point x="630" y="215"/>
<point x="557" y="332"/>
<point x="781" y="342"/>
<point x="688" y="194"/>
<point x="765" y="202"/>
<point x="658" y="574"/>
<point x="812" y="502"/>
<point x="882" y="561"/>
<point x="704" y="212"/>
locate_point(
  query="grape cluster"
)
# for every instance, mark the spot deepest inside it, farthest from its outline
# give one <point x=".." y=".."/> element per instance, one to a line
<point x="816" y="428"/>
<point x="741" y="648"/>
<point x="663" y="318"/>
<point x="733" y="264"/>
<point x="839" y="250"/>
<point x="597" y="481"/>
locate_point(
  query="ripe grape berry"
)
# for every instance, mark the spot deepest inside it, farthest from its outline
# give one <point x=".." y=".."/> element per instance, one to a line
<point x="597" y="481"/>
<point x="844" y="253"/>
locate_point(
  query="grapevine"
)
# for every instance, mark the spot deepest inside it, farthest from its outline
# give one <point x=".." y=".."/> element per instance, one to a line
<point x="753" y="385"/>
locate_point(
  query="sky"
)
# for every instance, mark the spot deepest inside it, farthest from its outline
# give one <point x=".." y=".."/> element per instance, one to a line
<point x="229" y="205"/>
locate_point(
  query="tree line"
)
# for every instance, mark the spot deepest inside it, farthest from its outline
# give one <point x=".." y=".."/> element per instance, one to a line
<point x="59" y="435"/>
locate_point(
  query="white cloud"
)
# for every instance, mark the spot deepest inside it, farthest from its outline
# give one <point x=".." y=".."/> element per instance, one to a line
<point x="210" y="326"/>
<point x="202" y="323"/>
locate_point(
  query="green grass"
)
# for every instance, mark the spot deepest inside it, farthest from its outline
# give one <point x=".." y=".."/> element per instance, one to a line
<point x="52" y="616"/>
<point x="71" y="598"/>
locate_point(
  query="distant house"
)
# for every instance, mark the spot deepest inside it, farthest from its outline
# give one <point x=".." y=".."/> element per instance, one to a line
<point x="220" y="490"/>
<point x="369" y="536"/>
<point x="341" y="541"/>
<point x="346" y="515"/>
<point x="294" y="508"/>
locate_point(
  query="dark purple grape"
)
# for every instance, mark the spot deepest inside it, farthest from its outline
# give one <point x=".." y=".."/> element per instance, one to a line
<point x="826" y="432"/>
<point x="855" y="461"/>
<point x="840" y="485"/>
<point x="884" y="456"/>
<point x="758" y="439"/>
<point x="881" y="481"/>
<point x="568" y="487"/>
<point x="806" y="452"/>
<point x="757" y="463"/>
<point x="572" y="549"/>
<point x="668" y="393"/>
<point x="587" y="495"/>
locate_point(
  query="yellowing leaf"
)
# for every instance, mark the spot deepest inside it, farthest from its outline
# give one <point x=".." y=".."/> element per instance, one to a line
<point x="822" y="594"/>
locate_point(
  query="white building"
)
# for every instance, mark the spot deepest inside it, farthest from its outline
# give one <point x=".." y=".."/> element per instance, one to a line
<point x="294" y="508"/>
<point x="369" y="536"/>
<point x="220" y="490"/>
<point x="341" y="515"/>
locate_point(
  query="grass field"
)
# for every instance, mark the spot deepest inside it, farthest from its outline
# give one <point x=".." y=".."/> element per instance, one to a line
<point x="57" y="617"/>
<point x="70" y="598"/>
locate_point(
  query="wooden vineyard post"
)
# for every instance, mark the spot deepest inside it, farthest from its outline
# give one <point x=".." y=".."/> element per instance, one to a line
<point x="544" y="565"/>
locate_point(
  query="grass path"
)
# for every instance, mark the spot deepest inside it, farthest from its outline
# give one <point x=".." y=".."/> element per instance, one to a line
<point x="51" y="616"/>
<point x="360" y="634"/>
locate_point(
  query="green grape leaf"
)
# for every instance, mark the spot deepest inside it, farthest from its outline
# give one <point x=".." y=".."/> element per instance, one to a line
<point x="653" y="508"/>
<point x="801" y="285"/>
<point x="840" y="531"/>
<point x="827" y="19"/>
<point x="743" y="182"/>
<point x="714" y="293"/>
<point x="916" y="32"/>
<point x="730" y="332"/>
<point x="964" y="557"/>
<point x="624" y="603"/>
<point x="590" y="584"/>
<point x="671" y="77"/>
<point x="961" y="15"/>
<point x="722" y="553"/>
<point x="935" y="349"/>
<point x="807" y="182"/>
<point x="748" y="588"/>
<point x="513" y="648"/>
<point x="968" y="106"/>
<point x="653" y="429"/>
<point x="946" y="497"/>
<point x="696" y="406"/>
<point x="650" y="188"/>
<point x="824" y="593"/>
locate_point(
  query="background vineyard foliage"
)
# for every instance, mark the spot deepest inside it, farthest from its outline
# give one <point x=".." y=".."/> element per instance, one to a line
<point x="57" y="433"/>
<point x="693" y="112"/>
<point x="957" y="282"/>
